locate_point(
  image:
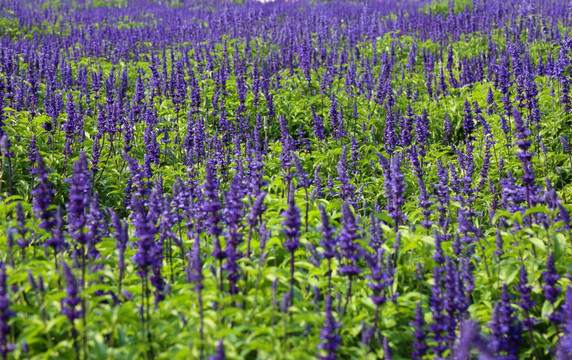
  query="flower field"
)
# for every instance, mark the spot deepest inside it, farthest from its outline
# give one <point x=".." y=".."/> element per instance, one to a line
<point x="310" y="179"/>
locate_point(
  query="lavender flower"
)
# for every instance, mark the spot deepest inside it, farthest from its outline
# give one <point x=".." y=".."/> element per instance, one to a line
<point x="291" y="229"/>
<point x="470" y="337"/>
<point x="23" y="242"/>
<point x="551" y="293"/>
<point x="43" y="195"/>
<point x="437" y="306"/>
<point x="395" y="187"/>
<point x="506" y="329"/>
<point x="420" y="343"/>
<point x="255" y="215"/>
<point x="347" y="190"/>
<point x="57" y="241"/>
<point x="78" y="204"/>
<point x="318" y="123"/>
<point x="212" y="207"/>
<point x="5" y="315"/>
<point x="350" y="250"/>
<point x="72" y="299"/>
<point x="387" y="353"/>
<point x="220" y="354"/>
<point x="565" y="344"/>
<point x="329" y="333"/>
<point x="328" y="242"/>
<point x="121" y="239"/>
<point x="71" y="302"/>
<point x="526" y="303"/>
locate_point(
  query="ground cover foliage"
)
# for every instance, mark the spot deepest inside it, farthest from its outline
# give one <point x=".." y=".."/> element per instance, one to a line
<point x="238" y="180"/>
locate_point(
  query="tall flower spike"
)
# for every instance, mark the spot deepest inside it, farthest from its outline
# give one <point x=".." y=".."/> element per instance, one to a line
<point x="350" y="250"/>
<point x="526" y="303"/>
<point x="5" y="315"/>
<point x="22" y="242"/>
<point x="551" y="293"/>
<point x="57" y="241"/>
<point x="329" y="334"/>
<point x="72" y="299"/>
<point x="301" y="173"/>
<point x="212" y="207"/>
<point x="79" y="199"/>
<point x="291" y="227"/>
<point x="220" y="353"/>
<point x="328" y="242"/>
<point x="395" y="185"/>
<point x="387" y="354"/>
<point x="347" y="190"/>
<point x="506" y="329"/>
<point x="565" y="344"/>
<point x="470" y="337"/>
<point x="420" y="342"/>
<point x="43" y="195"/>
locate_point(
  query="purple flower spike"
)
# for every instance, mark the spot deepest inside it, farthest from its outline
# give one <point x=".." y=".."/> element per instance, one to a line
<point x="5" y="315"/>
<point x="329" y="333"/>
<point x="220" y="354"/>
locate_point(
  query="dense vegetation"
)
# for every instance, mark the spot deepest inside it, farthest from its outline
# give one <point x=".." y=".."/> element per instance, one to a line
<point x="193" y="179"/>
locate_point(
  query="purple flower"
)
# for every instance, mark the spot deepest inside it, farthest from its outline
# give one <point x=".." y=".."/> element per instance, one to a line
<point x="23" y="242"/>
<point x="97" y="227"/>
<point x="328" y="241"/>
<point x="57" y="241"/>
<point x="291" y="226"/>
<point x="254" y="217"/>
<point x="79" y="199"/>
<point x="211" y="205"/>
<point x="329" y="334"/>
<point x="194" y="270"/>
<point x="422" y="131"/>
<point x="526" y="303"/>
<point x="5" y="315"/>
<point x="470" y="337"/>
<point x="387" y="353"/>
<point x="212" y="208"/>
<point x="318" y="123"/>
<point x="376" y="236"/>
<point x="437" y="306"/>
<point x="395" y="187"/>
<point x="121" y="230"/>
<point x="347" y="190"/>
<point x="506" y="329"/>
<point x="145" y="231"/>
<point x="350" y="250"/>
<point x="318" y="192"/>
<point x="233" y="214"/>
<point x="72" y="300"/>
<point x="564" y="141"/>
<point x="390" y="136"/>
<point x="43" y="195"/>
<point x="468" y="122"/>
<point x="551" y="293"/>
<point x="420" y="335"/>
<point x="301" y="173"/>
<point x="567" y="311"/>
<point x="381" y="277"/>
<point x="563" y="216"/>
<point x="565" y="344"/>
<point x="33" y="151"/>
<point x="220" y="354"/>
